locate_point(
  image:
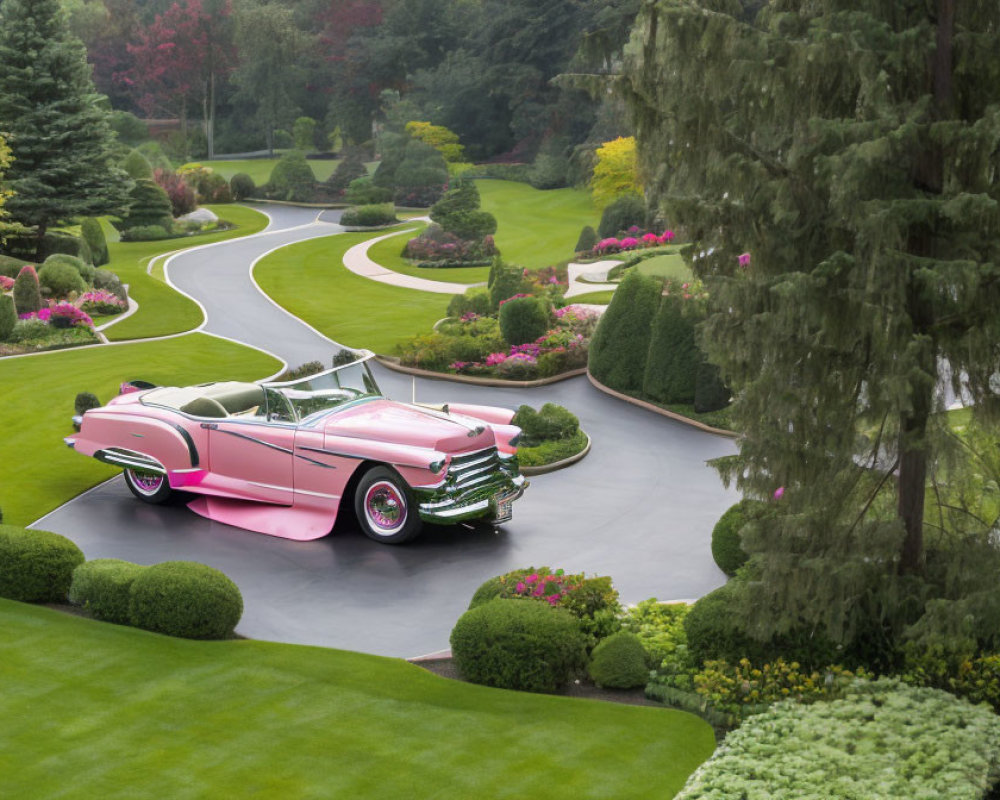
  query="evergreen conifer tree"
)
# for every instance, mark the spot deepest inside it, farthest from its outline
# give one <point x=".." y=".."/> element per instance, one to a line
<point x="64" y="164"/>
<point x="836" y="166"/>
<point x="620" y="345"/>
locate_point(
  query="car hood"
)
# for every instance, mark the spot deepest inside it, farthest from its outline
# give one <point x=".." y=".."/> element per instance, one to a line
<point x="399" y="423"/>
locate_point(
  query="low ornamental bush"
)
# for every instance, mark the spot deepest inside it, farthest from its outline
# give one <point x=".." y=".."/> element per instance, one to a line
<point x="67" y="315"/>
<point x="882" y="741"/>
<point x="660" y="628"/>
<point x="8" y="317"/>
<point x="241" y="186"/>
<point x="109" y="281"/>
<point x="60" y="279"/>
<point x="627" y="211"/>
<point x="85" y="401"/>
<point x="475" y="301"/>
<point x="587" y="240"/>
<point x="101" y="301"/>
<point x="619" y="662"/>
<point x="186" y="599"/>
<point x="552" y="422"/>
<point x="523" y="319"/>
<point x="619" y="348"/>
<point x="976" y="678"/>
<point x="369" y="216"/>
<point x="146" y="233"/>
<point x="36" y="566"/>
<point x="85" y="269"/>
<point x="291" y="179"/>
<point x="518" y="645"/>
<point x="364" y="192"/>
<point x="726" y="549"/>
<point x="103" y="586"/>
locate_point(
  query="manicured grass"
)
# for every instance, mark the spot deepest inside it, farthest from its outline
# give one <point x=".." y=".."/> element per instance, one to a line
<point x="260" y="168"/>
<point x="37" y="471"/>
<point x="163" y="311"/>
<point x="310" y="280"/>
<point x="666" y="266"/>
<point x="388" y="254"/>
<point x="596" y="298"/>
<point x="536" y="228"/>
<point x="92" y="709"/>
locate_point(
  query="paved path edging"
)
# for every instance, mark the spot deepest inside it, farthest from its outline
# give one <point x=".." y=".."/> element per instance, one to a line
<point x="661" y="411"/>
<point x="395" y="366"/>
<point x="542" y="469"/>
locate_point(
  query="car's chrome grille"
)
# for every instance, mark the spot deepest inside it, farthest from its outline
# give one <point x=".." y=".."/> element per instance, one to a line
<point x="468" y="470"/>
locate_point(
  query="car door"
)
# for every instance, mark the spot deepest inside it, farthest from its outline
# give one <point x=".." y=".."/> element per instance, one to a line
<point x="251" y="459"/>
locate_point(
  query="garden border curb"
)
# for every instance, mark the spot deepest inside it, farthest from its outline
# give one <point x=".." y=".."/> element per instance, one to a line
<point x="390" y="362"/>
<point x="661" y="411"/>
<point x="542" y="469"/>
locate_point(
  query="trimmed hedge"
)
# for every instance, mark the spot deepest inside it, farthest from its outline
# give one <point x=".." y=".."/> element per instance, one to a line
<point x="672" y="363"/>
<point x="882" y="741"/>
<point x="27" y="293"/>
<point x="92" y="233"/>
<point x="186" y="599"/>
<point x="60" y="278"/>
<point x="620" y="345"/>
<point x="36" y="566"/>
<point x="103" y="586"/>
<point x="513" y="644"/>
<point x="726" y="549"/>
<point x="523" y="320"/>
<point x="619" y="662"/>
<point x="8" y="317"/>
<point x="369" y="216"/>
<point x="550" y="423"/>
<point x="587" y="240"/>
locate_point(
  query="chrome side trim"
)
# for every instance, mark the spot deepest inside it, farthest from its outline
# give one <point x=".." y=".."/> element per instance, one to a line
<point x="255" y="440"/>
<point x="271" y="486"/>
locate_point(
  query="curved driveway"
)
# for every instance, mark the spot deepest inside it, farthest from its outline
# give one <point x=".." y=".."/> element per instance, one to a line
<point x="640" y="507"/>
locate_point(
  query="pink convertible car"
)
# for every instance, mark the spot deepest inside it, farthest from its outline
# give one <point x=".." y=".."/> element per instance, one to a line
<point x="279" y="458"/>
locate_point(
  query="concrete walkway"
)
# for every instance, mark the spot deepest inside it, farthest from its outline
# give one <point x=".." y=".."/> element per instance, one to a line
<point x="594" y="271"/>
<point x="357" y="261"/>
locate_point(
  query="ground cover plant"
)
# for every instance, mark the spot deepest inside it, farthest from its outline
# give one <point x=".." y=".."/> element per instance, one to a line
<point x="162" y="310"/>
<point x="349" y="724"/>
<point x="536" y="228"/>
<point x="310" y="280"/>
<point x="388" y="253"/>
<point x="37" y="471"/>
<point x="883" y="740"/>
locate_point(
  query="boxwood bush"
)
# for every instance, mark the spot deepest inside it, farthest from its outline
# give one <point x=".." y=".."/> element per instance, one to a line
<point x="550" y="422"/>
<point x="187" y="599"/>
<point x="475" y="301"/>
<point x="726" y="548"/>
<point x="103" y="586"/>
<point x="619" y="662"/>
<point x="518" y="645"/>
<point x="882" y="741"/>
<point x="523" y="319"/>
<point x="369" y="216"/>
<point x="36" y="566"/>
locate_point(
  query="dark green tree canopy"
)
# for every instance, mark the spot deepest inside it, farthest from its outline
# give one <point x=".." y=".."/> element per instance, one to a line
<point x="836" y="166"/>
<point x="59" y="133"/>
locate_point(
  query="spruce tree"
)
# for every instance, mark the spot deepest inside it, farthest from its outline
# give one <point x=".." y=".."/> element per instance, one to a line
<point x="836" y="166"/>
<point x="64" y="164"/>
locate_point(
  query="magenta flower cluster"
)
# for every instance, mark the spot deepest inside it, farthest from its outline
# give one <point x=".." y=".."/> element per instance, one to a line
<point x="101" y="301"/>
<point x="6" y="283"/>
<point x="632" y="242"/>
<point x="548" y="587"/>
<point x="65" y="315"/>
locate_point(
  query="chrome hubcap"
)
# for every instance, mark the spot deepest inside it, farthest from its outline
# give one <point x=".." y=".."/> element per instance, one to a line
<point x="147" y="483"/>
<point x="385" y="508"/>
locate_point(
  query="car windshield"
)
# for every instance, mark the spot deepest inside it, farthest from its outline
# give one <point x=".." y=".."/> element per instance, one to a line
<point x="298" y="401"/>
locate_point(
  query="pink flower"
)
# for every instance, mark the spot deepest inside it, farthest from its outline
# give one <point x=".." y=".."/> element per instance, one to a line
<point x="495" y="358"/>
<point x="667" y="236"/>
<point x="779" y="492"/>
<point x="629" y="242"/>
<point x="532" y="577"/>
<point x="649" y="238"/>
<point x="554" y="599"/>
<point x="553" y="279"/>
<point x="538" y="590"/>
<point x="744" y="260"/>
<point x="520" y="586"/>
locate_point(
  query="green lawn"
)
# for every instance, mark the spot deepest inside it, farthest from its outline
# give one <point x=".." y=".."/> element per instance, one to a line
<point x="163" y="311"/>
<point x="37" y="471"/>
<point x="310" y="280"/>
<point x="536" y="228"/>
<point x="98" y="710"/>
<point x="260" y="168"/>
<point x="388" y="254"/>
<point x="595" y="298"/>
<point x="666" y="266"/>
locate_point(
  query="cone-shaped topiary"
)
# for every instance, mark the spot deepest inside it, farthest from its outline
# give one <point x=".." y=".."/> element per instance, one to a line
<point x="587" y="240"/>
<point x="672" y="364"/>
<point x="27" y="293"/>
<point x="620" y="345"/>
<point x="93" y="235"/>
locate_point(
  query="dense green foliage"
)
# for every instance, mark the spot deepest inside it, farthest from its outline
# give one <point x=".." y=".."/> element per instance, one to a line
<point x="60" y="279"/>
<point x="84" y="401"/>
<point x="291" y="179"/>
<point x="242" y="186"/>
<point x="842" y="201"/>
<point x="620" y="346"/>
<point x="882" y="741"/>
<point x="726" y="549"/>
<point x="551" y="451"/>
<point x="36" y="566"/>
<point x="213" y="707"/>
<point x="621" y="214"/>
<point x="523" y="319"/>
<point x="976" y="678"/>
<point x="550" y="422"/>
<point x="27" y="293"/>
<point x="103" y="587"/>
<point x="369" y="216"/>
<point x="186" y="599"/>
<point x="674" y="357"/>
<point x="93" y="235"/>
<point x="476" y="300"/>
<point x="458" y="212"/>
<point x="619" y="662"/>
<point x="83" y="268"/>
<point x="63" y="147"/>
<point x="587" y="240"/>
<point x="137" y="166"/>
<point x="8" y="316"/>
<point x="660" y="628"/>
<point x="349" y="169"/>
<point x="150" y="207"/>
<point x="504" y="282"/>
<point x="518" y="645"/>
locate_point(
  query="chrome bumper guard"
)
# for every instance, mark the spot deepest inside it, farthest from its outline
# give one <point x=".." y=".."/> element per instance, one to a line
<point x="482" y="484"/>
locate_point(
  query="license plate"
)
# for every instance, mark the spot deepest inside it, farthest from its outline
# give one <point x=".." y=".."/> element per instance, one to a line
<point x="503" y="505"/>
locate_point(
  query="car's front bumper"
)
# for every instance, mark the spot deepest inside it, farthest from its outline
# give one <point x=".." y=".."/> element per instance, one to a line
<point x="483" y="485"/>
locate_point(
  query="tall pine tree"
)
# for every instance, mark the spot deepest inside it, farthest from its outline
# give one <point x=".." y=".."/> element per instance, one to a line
<point x="850" y="152"/>
<point x="62" y="144"/>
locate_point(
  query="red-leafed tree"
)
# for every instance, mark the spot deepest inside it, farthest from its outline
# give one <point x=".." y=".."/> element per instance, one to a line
<point x="179" y="59"/>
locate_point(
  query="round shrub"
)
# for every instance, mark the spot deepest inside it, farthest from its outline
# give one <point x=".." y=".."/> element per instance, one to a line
<point x="523" y="319"/>
<point x="187" y="599"/>
<point x="619" y="662"/>
<point x="726" y="549"/>
<point x="86" y="270"/>
<point x="36" y="566"/>
<point x="241" y="185"/>
<point x="103" y="586"/>
<point x="292" y="178"/>
<point x="551" y="422"/>
<point x="110" y="282"/>
<point x="621" y="214"/>
<point x="85" y="401"/>
<point x="514" y="644"/>
<point x="518" y="367"/>
<point x="8" y="317"/>
<point x="60" y="278"/>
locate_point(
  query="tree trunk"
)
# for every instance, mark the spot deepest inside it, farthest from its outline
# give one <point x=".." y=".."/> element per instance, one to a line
<point x="210" y="116"/>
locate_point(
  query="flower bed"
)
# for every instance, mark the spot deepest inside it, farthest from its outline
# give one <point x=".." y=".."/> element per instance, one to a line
<point x="635" y="239"/>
